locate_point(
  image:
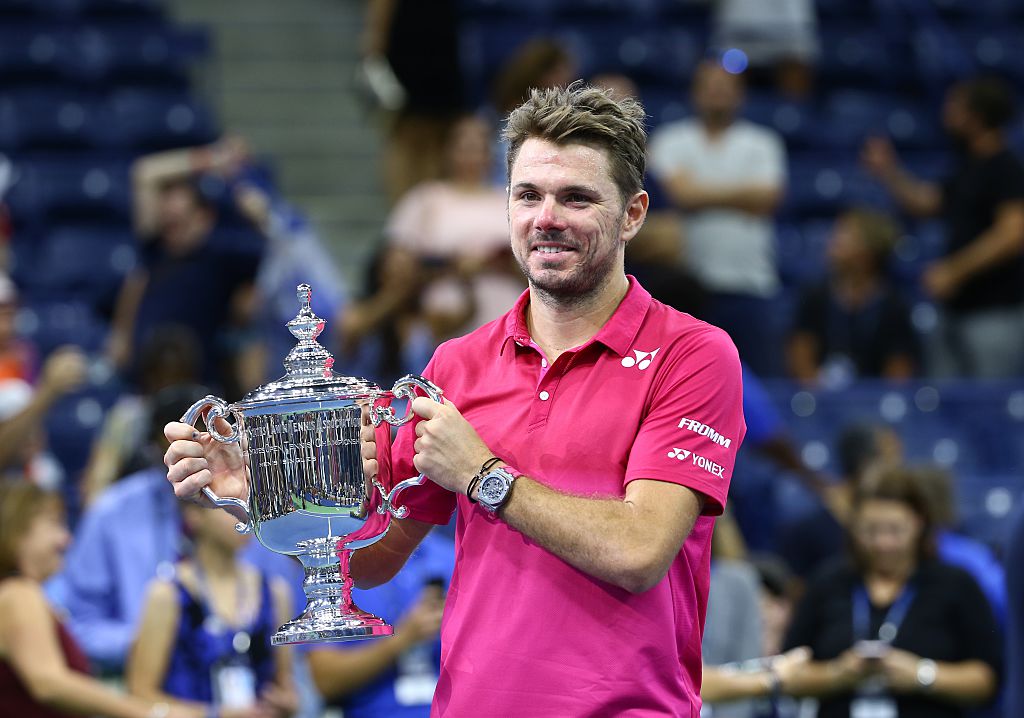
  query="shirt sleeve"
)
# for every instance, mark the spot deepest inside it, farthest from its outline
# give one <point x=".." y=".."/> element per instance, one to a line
<point x="428" y="502"/>
<point x="694" y="425"/>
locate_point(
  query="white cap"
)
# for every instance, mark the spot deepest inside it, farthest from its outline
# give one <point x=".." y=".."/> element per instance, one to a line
<point x="15" y="395"/>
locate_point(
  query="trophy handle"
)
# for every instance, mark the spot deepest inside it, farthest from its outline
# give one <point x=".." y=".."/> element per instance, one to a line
<point x="406" y="388"/>
<point x="218" y="409"/>
<point x="388" y="505"/>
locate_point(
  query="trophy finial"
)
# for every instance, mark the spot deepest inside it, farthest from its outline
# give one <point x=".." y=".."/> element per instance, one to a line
<point x="308" y="357"/>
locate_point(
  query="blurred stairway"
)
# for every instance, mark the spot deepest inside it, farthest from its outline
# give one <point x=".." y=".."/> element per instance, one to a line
<point x="280" y="75"/>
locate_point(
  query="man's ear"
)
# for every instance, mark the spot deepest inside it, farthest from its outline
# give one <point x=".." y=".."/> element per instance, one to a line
<point x="636" y="213"/>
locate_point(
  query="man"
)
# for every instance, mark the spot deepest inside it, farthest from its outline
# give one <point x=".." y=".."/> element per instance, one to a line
<point x="184" y="269"/>
<point x="727" y="177"/>
<point x="979" y="282"/>
<point x="583" y="546"/>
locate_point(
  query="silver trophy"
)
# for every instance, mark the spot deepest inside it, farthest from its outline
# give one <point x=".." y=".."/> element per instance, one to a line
<point x="308" y="496"/>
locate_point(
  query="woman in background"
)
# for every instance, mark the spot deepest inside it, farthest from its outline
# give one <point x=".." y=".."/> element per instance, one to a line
<point x="204" y="637"/>
<point x="43" y="672"/>
<point x="895" y="632"/>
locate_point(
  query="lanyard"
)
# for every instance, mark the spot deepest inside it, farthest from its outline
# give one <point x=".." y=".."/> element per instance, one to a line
<point x="893" y="617"/>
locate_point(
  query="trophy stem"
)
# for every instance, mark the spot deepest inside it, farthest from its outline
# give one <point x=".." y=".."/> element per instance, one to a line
<point x="330" y="613"/>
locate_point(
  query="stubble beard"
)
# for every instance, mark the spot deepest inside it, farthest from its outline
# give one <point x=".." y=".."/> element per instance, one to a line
<point x="576" y="288"/>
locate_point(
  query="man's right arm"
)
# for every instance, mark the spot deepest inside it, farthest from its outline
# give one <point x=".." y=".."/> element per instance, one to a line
<point x="915" y="196"/>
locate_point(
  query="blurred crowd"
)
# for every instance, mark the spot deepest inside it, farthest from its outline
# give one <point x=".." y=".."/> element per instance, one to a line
<point x="870" y="603"/>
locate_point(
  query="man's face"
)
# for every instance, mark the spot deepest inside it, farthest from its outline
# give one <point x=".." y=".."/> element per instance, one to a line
<point x="956" y="115"/>
<point x="717" y="94"/>
<point x="566" y="218"/>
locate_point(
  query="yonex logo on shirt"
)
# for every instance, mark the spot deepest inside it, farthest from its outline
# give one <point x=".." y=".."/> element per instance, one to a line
<point x="707" y="464"/>
<point x="704" y="430"/>
<point x="641" y="360"/>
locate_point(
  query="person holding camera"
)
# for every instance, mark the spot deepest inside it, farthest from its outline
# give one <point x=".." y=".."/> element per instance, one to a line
<point x="895" y="632"/>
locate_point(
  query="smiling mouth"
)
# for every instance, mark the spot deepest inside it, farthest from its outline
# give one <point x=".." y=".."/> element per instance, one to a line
<point x="548" y="249"/>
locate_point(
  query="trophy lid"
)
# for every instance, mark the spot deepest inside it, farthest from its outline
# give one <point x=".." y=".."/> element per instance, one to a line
<point x="309" y="373"/>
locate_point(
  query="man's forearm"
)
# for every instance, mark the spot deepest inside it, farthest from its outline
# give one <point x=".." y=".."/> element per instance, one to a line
<point x="609" y="538"/>
<point x="753" y="199"/>
<point x="991" y="248"/>
<point x="921" y="199"/>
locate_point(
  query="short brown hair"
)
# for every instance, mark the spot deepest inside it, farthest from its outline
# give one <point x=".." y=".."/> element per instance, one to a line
<point x="879" y="231"/>
<point x="903" y="485"/>
<point x="585" y="115"/>
<point x="20" y="503"/>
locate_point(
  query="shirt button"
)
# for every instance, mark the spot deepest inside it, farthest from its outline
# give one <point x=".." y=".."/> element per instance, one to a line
<point x="544" y="362"/>
<point x="544" y="396"/>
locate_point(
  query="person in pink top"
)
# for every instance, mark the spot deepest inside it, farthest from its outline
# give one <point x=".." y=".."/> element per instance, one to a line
<point x="587" y="439"/>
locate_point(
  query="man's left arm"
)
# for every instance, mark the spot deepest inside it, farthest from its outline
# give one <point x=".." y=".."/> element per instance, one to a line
<point x="1000" y="242"/>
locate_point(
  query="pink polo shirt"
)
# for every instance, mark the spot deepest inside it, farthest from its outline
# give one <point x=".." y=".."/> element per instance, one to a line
<point x="656" y="394"/>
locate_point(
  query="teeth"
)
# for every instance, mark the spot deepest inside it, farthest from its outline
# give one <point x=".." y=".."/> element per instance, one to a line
<point x="549" y="250"/>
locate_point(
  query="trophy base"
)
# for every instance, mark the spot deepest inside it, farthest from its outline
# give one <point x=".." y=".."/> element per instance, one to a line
<point x="353" y="627"/>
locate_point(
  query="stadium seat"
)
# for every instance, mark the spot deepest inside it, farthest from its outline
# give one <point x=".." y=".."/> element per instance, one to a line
<point x="59" y="190"/>
<point x="148" y="120"/>
<point x="84" y="263"/>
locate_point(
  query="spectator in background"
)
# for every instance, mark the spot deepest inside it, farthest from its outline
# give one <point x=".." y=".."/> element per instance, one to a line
<point x="727" y="176"/>
<point x="1014" y="558"/>
<point x="295" y="254"/>
<point x="6" y="180"/>
<point x="817" y="538"/>
<point x="540" y="62"/>
<point x="204" y="637"/>
<point x="186" y="278"/>
<point x="43" y="672"/>
<point x="978" y="280"/>
<point x="854" y="323"/>
<point x="411" y="67"/>
<point x="779" y="39"/>
<point x="452" y="237"/>
<point x="131" y="534"/>
<point x="394" y="677"/>
<point x="23" y="411"/>
<point x="18" y="358"/>
<point x="895" y="632"/>
<point x="168" y="358"/>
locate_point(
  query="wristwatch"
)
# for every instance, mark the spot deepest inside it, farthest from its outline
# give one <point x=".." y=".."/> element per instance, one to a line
<point x="495" y="488"/>
<point x="926" y="673"/>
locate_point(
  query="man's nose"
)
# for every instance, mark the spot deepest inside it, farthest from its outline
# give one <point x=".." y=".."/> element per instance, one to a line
<point x="550" y="216"/>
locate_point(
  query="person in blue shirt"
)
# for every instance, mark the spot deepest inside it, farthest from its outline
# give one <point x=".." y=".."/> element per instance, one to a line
<point x="394" y="676"/>
<point x="131" y="534"/>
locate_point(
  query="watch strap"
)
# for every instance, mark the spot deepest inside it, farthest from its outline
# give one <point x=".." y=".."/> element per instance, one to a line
<point x="475" y="481"/>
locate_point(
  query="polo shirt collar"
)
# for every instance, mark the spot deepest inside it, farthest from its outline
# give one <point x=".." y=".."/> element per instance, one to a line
<point x="617" y="333"/>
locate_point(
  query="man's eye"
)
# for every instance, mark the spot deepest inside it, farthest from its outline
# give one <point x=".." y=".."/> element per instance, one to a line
<point x="578" y="199"/>
<point x="529" y="196"/>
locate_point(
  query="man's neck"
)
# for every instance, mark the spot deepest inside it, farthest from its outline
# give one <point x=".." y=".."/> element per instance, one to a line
<point x="556" y="327"/>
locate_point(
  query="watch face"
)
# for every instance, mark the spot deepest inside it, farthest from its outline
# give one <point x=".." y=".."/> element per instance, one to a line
<point x="492" y="490"/>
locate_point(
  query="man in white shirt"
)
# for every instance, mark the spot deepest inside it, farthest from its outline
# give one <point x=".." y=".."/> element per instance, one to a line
<point x="727" y="175"/>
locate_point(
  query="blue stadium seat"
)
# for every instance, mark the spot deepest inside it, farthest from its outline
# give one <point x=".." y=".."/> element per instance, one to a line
<point x="138" y="54"/>
<point x="155" y="120"/>
<point x="797" y="122"/>
<point x="32" y="53"/>
<point x="43" y="119"/>
<point x="800" y="251"/>
<point x="52" y="324"/>
<point x="997" y="51"/>
<point x="851" y="116"/>
<point x="55" y="190"/>
<point x="824" y="185"/>
<point x="84" y="263"/>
